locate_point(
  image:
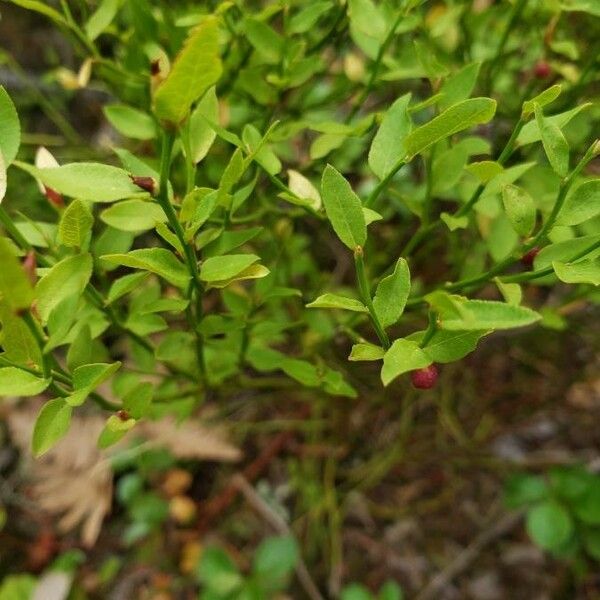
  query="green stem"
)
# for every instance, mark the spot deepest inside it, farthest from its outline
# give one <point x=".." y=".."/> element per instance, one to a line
<point x="431" y="329"/>
<point x="384" y="46"/>
<point x="39" y="339"/>
<point x="365" y="292"/>
<point x="380" y="187"/>
<point x="190" y="254"/>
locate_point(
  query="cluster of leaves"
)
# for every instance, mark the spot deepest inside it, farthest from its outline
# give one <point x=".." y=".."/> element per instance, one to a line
<point x="198" y="262"/>
<point x="562" y="510"/>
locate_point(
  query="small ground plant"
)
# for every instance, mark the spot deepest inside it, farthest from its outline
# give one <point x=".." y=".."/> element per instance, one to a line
<point x="397" y="179"/>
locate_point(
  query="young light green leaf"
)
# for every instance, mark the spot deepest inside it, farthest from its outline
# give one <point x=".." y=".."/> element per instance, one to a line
<point x="10" y="129"/>
<point x="531" y="132"/>
<point x="511" y="292"/>
<point x="487" y="315"/>
<point x="335" y="301"/>
<point x="366" y="351"/>
<point x="304" y="189"/>
<point x="134" y="215"/>
<point x="457" y="118"/>
<point x="16" y="382"/>
<point x="196" y="68"/>
<point x="485" y="170"/>
<point x="555" y="144"/>
<point x="542" y="99"/>
<point x="449" y="346"/>
<point x="202" y="135"/>
<point x="101" y="18"/>
<point x="582" y="204"/>
<point x="343" y="208"/>
<point x="308" y="16"/>
<point x="566" y="251"/>
<point x="265" y="40"/>
<point x="67" y="278"/>
<point x="403" y="356"/>
<point x="219" y="268"/>
<point x="86" y="378"/>
<point x="520" y="209"/>
<point x="75" y="225"/>
<point x="387" y="147"/>
<point x="453" y="223"/>
<point x="160" y="261"/>
<point x="584" y="271"/>
<point x="392" y="294"/>
<point x="252" y="272"/>
<point x="130" y="122"/>
<point x="257" y="147"/>
<point x="124" y="285"/>
<point x="51" y="425"/>
<point x="87" y="181"/>
<point x="15" y="288"/>
<point x="459" y="86"/>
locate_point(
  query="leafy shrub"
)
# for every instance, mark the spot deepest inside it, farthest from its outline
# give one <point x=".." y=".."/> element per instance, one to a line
<point x="563" y="510"/>
<point x="437" y="172"/>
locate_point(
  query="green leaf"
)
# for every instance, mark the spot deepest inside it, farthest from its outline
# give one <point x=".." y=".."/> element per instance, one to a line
<point x="87" y="378"/>
<point x="390" y="590"/>
<point x="392" y="294"/>
<point x="343" y="208"/>
<point x="138" y="400"/>
<point x="275" y="559"/>
<point x="202" y="135"/>
<point x="134" y="215"/>
<point x="588" y="6"/>
<point x="453" y="223"/>
<point x="549" y="525"/>
<point x="256" y="146"/>
<point x="219" y="268"/>
<point x="15" y="288"/>
<point x="16" y="382"/>
<point x="582" y="204"/>
<point x="555" y="144"/>
<point x="565" y="251"/>
<point x="304" y="189"/>
<point x="403" y="356"/>
<point x="265" y="40"/>
<point x="196" y="68"/>
<point x="67" y="278"/>
<point x="10" y="129"/>
<point x="459" y="86"/>
<point x="87" y="181"/>
<point x="218" y="573"/>
<point x="471" y="315"/>
<point x="485" y="170"/>
<point x="124" y="285"/>
<point x="356" y="591"/>
<point x="51" y="425"/>
<point x="457" y="118"/>
<point x="531" y="132"/>
<point x="585" y="271"/>
<point x="130" y="122"/>
<point x="587" y="507"/>
<point x="511" y="292"/>
<point x="387" y="147"/>
<point x="449" y="346"/>
<point x="542" y="99"/>
<point x="335" y="301"/>
<point x="308" y="16"/>
<point x="160" y="261"/>
<point x="520" y="209"/>
<point x="366" y="351"/>
<point x="522" y="489"/>
<point x="101" y="18"/>
<point x="75" y="225"/>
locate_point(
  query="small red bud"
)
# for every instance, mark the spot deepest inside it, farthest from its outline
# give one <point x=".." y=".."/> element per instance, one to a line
<point x="542" y="70"/>
<point x="146" y="183"/>
<point x="123" y="415"/>
<point x="54" y="197"/>
<point x="155" y="67"/>
<point x="29" y="266"/>
<point x="424" y="379"/>
<point x="528" y="258"/>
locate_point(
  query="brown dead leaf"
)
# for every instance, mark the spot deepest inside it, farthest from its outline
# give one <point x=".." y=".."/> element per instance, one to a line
<point x="74" y="480"/>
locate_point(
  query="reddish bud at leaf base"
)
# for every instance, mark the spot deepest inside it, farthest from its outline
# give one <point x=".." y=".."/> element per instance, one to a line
<point x="155" y="67"/>
<point x="29" y="266"/>
<point x="123" y="415"/>
<point x="54" y="197"/>
<point x="542" y="70"/>
<point x="424" y="379"/>
<point x="528" y="258"/>
<point x="146" y="183"/>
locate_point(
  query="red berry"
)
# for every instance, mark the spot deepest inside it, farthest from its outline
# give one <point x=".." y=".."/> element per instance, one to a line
<point x="542" y="70"/>
<point x="424" y="379"/>
<point x="528" y="258"/>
